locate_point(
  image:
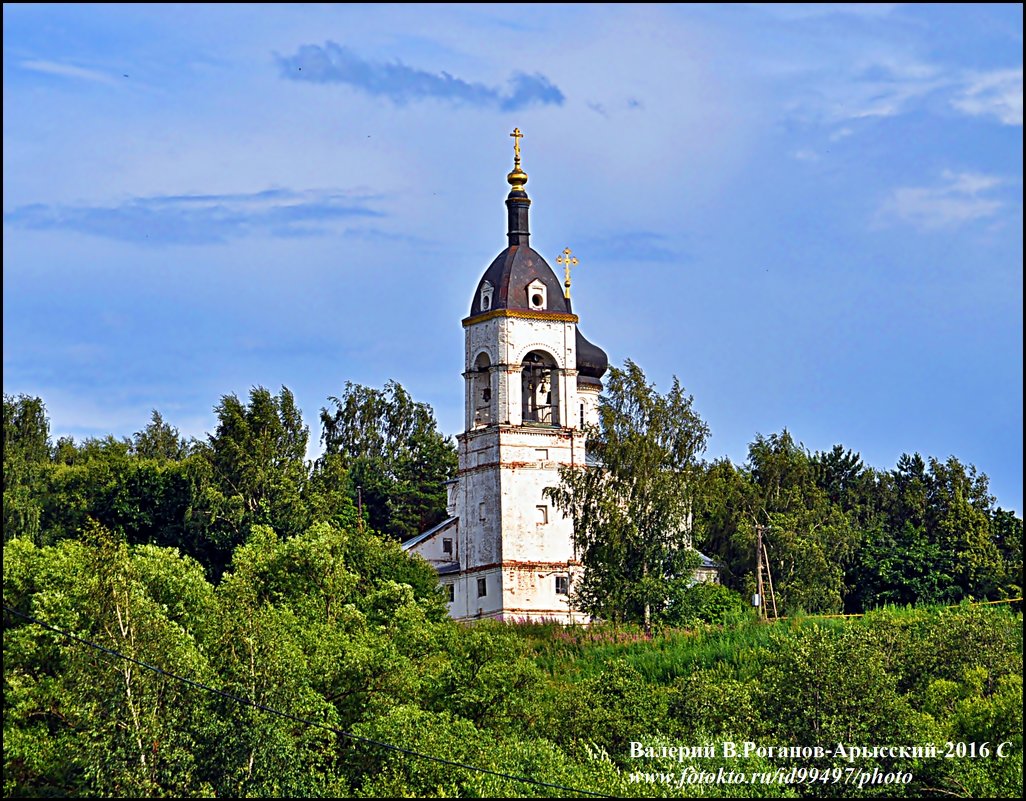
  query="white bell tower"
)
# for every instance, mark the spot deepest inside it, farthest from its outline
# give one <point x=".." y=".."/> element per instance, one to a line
<point x="531" y="383"/>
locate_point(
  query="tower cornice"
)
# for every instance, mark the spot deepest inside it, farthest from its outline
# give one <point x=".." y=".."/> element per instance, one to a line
<point x="522" y="314"/>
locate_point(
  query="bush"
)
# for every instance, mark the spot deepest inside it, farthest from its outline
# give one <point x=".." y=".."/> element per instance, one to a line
<point x="706" y="603"/>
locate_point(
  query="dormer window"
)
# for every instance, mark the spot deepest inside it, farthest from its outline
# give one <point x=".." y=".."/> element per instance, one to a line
<point x="486" y="296"/>
<point x="536" y="295"/>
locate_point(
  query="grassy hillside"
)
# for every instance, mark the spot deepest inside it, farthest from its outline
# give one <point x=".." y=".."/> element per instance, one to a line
<point x="897" y="677"/>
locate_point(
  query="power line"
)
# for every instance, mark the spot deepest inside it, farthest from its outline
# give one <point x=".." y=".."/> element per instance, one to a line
<point x="294" y="718"/>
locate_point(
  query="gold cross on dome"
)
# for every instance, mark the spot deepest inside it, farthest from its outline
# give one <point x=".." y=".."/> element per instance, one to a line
<point x="568" y="261"/>
<point x="517" y="136"/>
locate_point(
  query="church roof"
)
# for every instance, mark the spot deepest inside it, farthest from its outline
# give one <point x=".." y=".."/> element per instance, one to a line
<point x="510" y="273"/>
<point x="592" y="361"/>
<point x="426" y="535"/>
<point x="707" y="563"/>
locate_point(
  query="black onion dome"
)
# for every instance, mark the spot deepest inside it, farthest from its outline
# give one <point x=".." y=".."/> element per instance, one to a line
<point x="510" y="273"/>
<point x="592" y="361"/>
<point x="519" y="264"/>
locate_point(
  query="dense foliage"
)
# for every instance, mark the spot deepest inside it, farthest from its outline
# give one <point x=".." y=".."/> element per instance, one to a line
<point x="236" y="564"/>
<point x="204" y="497"/>
<point x="339" y="628"/>
<point x="842" y="536"/>
<point x="839" y="535"/>
<point x="393" y="451"/>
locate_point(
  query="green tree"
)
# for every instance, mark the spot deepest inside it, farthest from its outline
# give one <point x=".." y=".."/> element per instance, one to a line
<point x="900" y="567"/>
<point x="723" y="523"/>
<point x="332" y="625"/>
<point x="159" y="441"/>
<point x="26" y="428"/>
<point x="1006" y="529"/>
<point x="899" y="560"/>
<point x="489" y="680"/>
<point x="808" y="538"/>
<point x="935" y="538"/>
<point x="258" y="470"/>
<point x="82" y="722"/>
<point x="26" y="452"/>
<point x="632" y="514"/>
<point x="705" y="602"/>
<point x="394" y="453"/>
<point x="958" y="511"/>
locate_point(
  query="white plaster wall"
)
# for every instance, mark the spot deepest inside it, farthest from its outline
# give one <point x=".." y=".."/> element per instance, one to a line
<point x="531" y="595"/>
<point x="432" y="548"/>
<point x="504" y="469"/>
<point x="589" y="396"/>
<point x="451" y="494"/>
<point x="527" y="539"/>
<point x="468" y="605"/>
<point x="480" y="520"/>
<point x="507" y="341"/>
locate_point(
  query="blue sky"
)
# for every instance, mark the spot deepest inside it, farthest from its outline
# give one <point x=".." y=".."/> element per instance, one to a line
<point x="812" y="215"/>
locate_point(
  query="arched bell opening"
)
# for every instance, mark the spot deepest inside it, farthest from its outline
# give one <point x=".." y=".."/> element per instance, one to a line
<point x="539" y="381"/>
<point x="482" y="391"/>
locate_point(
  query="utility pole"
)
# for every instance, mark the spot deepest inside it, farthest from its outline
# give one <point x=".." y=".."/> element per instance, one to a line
<point x="769" y="578"/>
<point x="759" y="597"/>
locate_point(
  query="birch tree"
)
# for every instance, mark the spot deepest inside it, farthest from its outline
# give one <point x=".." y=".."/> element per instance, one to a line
<point x="632" y="513"/>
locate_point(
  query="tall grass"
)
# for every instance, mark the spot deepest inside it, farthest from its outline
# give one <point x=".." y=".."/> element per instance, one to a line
<point x="573" y="653"/>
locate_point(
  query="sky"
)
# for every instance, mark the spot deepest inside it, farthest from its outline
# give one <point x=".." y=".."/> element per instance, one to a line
<point x="809" y="214"/>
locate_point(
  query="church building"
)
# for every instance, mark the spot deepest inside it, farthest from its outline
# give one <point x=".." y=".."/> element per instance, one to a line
<point x="532" y="383"/>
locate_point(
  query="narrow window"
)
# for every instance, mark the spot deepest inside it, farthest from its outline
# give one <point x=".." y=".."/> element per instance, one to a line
<point x="543" y="514"/>
<point x="451" y="592"/>
<point x="482" y="511"/>
<point x="542" y="454"/>
<point x="582" y="415"/>
<point x="482" y="587"/>
<point x="447" y="545"/>
<point x="482" y="389"/>
<point x="562" y="585"/>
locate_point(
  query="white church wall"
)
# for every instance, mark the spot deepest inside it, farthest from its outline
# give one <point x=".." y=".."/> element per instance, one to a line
<point x="469" y="604"/>
<point x="441" y="548"/>
<point x="588" y="397"/>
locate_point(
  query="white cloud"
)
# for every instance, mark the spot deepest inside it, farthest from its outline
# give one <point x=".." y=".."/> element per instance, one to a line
<point x="875" y="83"/>
<point x="887" y="85"/>
<point x="200" y="218"/>
<point x="67" y="71"/>
<point x="886" y="88"/>
<point x="993" y="94"/>
<point x="971" y="183"/>
<point x="959" y="198"/>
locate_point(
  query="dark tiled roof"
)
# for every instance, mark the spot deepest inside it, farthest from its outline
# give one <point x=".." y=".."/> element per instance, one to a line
<point x="510" y="273"/>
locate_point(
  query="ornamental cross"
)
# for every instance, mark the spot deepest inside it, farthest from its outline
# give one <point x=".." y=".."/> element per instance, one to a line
<point x="568" y="261"/>
<point x="517" y="136"/>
